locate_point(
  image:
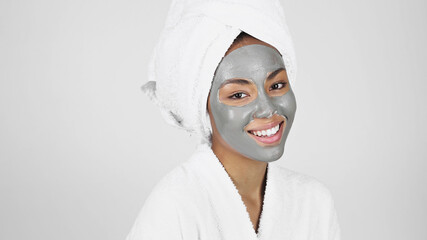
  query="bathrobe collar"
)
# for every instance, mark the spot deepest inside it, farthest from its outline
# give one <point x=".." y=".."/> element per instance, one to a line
<point x="231" y="214"/>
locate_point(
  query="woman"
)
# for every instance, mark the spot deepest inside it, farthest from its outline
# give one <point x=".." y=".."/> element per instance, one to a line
<point x="222" y="70"/>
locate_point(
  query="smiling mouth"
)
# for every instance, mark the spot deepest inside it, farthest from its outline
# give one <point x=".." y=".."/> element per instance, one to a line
<point x="268" y="136"/>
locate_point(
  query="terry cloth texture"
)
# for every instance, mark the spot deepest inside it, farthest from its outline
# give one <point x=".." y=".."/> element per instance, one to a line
<point x="193" y="42"/>
<point x="198" y="201"/>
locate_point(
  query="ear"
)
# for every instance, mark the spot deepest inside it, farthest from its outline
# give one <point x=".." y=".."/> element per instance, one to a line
<point x="207" y="103"/>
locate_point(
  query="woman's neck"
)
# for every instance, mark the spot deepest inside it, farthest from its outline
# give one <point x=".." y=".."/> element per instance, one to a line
<point x="248" y="175"/>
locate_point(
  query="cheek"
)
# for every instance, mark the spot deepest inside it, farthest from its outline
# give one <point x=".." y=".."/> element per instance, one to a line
<point x="228" y="118"/>
<point x="286" y="104"/>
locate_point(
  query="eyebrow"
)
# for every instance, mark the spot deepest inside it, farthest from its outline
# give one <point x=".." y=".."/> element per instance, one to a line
<point x="273" y="74"/>
<point x="236" y="81"/>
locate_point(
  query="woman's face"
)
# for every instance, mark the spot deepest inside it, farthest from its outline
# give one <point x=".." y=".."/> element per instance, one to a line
<point x="251" y="103"/>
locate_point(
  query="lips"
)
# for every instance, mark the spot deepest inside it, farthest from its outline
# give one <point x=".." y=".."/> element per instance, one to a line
<point x="270" y="136"/>
<point x="266" y="132"/>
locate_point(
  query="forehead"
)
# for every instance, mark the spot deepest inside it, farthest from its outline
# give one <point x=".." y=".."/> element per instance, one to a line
<point x="252" y="62"/>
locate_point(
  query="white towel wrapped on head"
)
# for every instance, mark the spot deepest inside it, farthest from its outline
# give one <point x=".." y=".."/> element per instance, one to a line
<point x="195" y="38"/>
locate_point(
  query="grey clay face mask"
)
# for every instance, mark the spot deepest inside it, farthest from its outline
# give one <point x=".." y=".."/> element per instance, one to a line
<point x="252" y="62"/>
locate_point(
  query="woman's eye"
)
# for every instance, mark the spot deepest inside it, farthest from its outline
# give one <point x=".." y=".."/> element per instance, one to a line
<point x="278" y="86"/>
<point x="238" y="95"/>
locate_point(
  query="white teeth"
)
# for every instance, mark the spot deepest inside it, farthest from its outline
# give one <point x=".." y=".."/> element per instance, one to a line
<point x="268" y="132"/>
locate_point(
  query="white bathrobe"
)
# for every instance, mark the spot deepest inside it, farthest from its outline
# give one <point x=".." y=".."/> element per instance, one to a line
<point x="198" y="201"/>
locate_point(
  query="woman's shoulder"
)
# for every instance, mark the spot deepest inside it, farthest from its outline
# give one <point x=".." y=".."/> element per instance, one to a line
<point x="174" y="182"/>
<point x="180" y="182"/>
<point x="162" y="206"/>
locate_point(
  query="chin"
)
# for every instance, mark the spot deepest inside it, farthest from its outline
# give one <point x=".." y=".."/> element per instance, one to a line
<point x="268" y="155"/>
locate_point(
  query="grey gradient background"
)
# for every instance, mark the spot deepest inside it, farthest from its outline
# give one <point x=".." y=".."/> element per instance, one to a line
<point x="81" y="147"/>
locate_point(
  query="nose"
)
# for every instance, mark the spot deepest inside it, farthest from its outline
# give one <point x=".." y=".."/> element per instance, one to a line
<point x="265" y="108"/>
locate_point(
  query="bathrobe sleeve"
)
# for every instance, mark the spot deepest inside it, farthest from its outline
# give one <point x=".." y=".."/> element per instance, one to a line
<point x="158" y="219"/>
